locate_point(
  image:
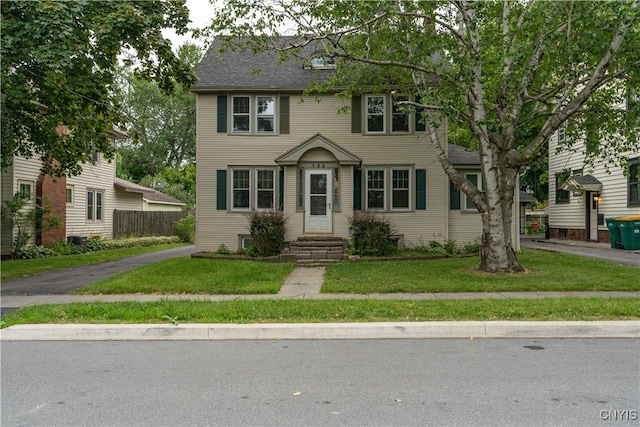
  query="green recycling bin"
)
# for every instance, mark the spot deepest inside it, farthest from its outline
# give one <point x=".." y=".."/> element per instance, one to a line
<point x="614" y="233"/>
<point x="629" y="232"/>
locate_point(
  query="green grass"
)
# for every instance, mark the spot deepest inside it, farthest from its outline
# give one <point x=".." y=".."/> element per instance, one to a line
<point x="546" y="271"/>
<point x="316" y="311"/>
<point x="196" y="276"/>
<point x="13" y="269"/>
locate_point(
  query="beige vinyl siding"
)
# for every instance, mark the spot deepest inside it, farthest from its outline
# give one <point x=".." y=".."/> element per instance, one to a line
<point x="222" y="151"/>
<point x="99" y="177"/>
<point x="160" y="207"/>
<point x="127" y="201"/>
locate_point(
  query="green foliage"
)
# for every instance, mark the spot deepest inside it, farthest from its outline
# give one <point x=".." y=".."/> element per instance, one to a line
<point x="535" y="227"/>
<point x="58" y="67"/>
<point x="186" y="229"/>
<point x="223" y="250"/>
<point x="30" y="252"/>
<point x="175" y="182"/>
<point x="64" y="247"/>
<point x="28" y="218"/>
<point x="372" y="234"/>
<point x="139" y="241"/>
<point x="267" y="231"/>
<point x="163" y="126"/>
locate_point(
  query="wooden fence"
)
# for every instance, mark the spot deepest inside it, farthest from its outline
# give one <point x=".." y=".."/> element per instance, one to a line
<point x="144" y="223"/>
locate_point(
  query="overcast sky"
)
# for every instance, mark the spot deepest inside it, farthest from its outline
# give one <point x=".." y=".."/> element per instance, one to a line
<point x="200" y="13"/>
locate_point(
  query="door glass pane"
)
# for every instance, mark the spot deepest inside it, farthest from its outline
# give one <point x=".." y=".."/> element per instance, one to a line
<point x="318" y="194"/>
<point x="318" y="184"/>
<point x="318" y="205"/>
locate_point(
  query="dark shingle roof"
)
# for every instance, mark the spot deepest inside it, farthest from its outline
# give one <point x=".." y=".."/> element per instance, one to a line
<point x="242" y="69"/>
<point x="463" y="156"/>
<point x="527" y="198"/>
<point x="586" y="179"/>
<point x="151" y="195"/>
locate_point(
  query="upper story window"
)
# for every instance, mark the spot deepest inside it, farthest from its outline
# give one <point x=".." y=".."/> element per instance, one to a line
<point x="383" y="114"/>
<point x="562" y="132"/>
<point x="253" y="114"/>
<point x="69" y="194"/>
<point x="25" y="189"/>
<point x="634" y="183"/>
<point x="241" y="114"/>
<point x="321" y="63"/>
<point x="375" y="114"/>
<point x="399" y="116"/>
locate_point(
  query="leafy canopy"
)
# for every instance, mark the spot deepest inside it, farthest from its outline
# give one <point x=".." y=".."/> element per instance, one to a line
<point x="58" y="64"/>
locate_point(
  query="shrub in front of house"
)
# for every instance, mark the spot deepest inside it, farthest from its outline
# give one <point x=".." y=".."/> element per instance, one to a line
<point x="139" y="241"/>
<point x="267" y="231"/>
<point x="372" y="234"/>
<point x="185" y="229"/>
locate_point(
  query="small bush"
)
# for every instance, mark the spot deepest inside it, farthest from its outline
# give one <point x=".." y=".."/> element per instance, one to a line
<point x="139" y="241"/>
<point x="186" y="229"/>
<point x="267" y="230"/>
<point x="30" y="252"/>
<point x="373" y="234"/>
<point x="65" y="247"/>
<point x="450" y="247"/>
<point x="472" y="248"/>
<point x="94" y="243"/>
<point x="223" y="250"/>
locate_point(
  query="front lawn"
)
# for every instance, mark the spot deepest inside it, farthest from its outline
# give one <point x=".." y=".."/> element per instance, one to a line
<point x="546" y="271"/>
<point x="317" y="311"/>
<point x="196" y="276"/>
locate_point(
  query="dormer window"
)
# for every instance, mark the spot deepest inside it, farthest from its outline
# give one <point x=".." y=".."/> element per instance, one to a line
<point x="320" y="63"/>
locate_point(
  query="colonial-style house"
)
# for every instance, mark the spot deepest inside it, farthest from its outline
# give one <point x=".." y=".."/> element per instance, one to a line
<point x="262" y="144"/>
<point x="580" y="200"/>
<point x="84" y="203"/>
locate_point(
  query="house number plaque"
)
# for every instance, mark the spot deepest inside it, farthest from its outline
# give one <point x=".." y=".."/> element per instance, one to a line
<point x="318" y="165"/>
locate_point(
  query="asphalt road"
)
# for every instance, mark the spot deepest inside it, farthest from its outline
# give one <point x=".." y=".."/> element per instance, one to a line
<point x="366" y="382"/>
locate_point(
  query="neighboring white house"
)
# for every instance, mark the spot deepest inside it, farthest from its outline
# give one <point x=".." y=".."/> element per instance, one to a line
<point x="262" y="145"/>
<point x="85" y="203"/>
<point x="580" y="200"/>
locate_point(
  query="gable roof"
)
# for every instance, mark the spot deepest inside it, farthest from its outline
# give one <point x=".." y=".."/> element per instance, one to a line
<point x="242" y="69"/>
<point x="148" y="194"/>
<point x="343" y="156"/>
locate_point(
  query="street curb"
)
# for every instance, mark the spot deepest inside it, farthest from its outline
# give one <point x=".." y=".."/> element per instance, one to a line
<point x="323" y="331"/>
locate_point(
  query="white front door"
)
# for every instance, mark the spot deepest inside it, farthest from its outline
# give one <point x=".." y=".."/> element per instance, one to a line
<point x="593" y="216"/>
<point x="317" y="200"/>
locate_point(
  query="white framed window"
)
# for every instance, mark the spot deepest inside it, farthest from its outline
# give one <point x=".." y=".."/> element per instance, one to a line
<point x="25" y="188"/>
<point x="95" y="205"/>
<point x="562" y="132"/>
<point x="265" y="114"/>
<point x="375" y="113"/>
<point x="476" y="179"/>
<point x="401" y="189"/>
<point x="70" y="195"/>
<point x="376" y="189"/>
<point x="266" y="189"/>
<point x="241" y="114"/>
<point x="400" y="119"/>
<point x="245" y="242"/>
<point x="241" y="188"/>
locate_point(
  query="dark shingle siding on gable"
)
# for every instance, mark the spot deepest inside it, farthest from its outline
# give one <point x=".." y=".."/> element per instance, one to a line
<point x="242" y="69"/>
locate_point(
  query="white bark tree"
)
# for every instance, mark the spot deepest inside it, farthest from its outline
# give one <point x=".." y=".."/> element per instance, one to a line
<point x="512" y="72"/>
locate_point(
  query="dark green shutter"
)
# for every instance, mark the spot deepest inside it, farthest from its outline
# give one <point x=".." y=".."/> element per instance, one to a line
<point x="281" y="190"/>
<point x="474" y="180"/>
<point x="420" y="127"/>
<point x="357" y="189"/>
<point x="284" y="114"/>
<point x="222" y="113"/>
<point x="454" y="197"/>
<point x="356" y="114"/>
<point x="421" y="189"/>
<point x="221" y="190"/>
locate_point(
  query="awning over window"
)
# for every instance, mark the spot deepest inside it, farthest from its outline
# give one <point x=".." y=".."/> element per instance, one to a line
<point x="582" y="183"/>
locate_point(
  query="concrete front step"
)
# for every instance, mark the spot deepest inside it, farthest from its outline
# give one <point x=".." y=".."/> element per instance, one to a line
<point x="315" y="249"/>
<point x="316" y="262"/>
